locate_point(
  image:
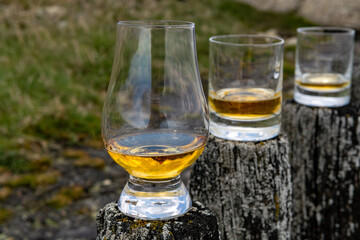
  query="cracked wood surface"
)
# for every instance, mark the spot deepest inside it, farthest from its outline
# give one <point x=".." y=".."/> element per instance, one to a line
<point x="248" y="185"/>
<point x="325" y="161"/>
<point x="198" y="224"/>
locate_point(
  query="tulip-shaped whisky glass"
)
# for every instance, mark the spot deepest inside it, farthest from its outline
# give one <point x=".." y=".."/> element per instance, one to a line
<point x="155" y="117"/>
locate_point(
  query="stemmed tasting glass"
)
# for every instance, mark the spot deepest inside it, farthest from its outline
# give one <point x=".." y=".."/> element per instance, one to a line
<point x="155" y="117"/>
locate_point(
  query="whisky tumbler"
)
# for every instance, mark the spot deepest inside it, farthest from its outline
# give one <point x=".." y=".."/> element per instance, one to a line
<point x="324" y="57"/>
<point x="245" y="84"/>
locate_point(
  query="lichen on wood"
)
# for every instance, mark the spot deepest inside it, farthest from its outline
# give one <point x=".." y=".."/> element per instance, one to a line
<point x="198" y="224"/>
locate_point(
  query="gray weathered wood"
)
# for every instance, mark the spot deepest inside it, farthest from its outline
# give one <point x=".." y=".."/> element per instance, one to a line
<point x="355" y="86"/>
<point x="198" y="223"/>
<point x="248" y="185"/>
<point x="325" y="161"/>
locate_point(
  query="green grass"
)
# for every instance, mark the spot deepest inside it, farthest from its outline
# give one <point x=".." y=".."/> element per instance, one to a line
<point x="56" y="59"/>
<point x="286" y="23"/>
<point x="66" y="196"/>
<point x="5" y="214"/>
<point x="33" y="180"/>
<point x="14" y="161"/>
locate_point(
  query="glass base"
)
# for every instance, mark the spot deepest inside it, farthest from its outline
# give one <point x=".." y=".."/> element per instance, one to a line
<point x="154" y="200"/>
<point x="338" y="98"/>
<point x="321" y="101"/>
<point x="244" y="133"/>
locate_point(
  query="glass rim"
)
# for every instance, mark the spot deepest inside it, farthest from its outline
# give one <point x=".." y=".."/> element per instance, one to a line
<point x="320" y="30"/>
<point x="278" y="41"/>
<point x="156" y="23"/>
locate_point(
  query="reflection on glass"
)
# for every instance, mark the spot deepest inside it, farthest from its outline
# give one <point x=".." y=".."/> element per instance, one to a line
<point x="155" y="117"/>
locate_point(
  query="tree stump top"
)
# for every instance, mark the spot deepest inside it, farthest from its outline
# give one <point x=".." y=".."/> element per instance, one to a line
<point x="324" y="154"/>
<point x="248" y="185"/>
<point x="198" y="223"/>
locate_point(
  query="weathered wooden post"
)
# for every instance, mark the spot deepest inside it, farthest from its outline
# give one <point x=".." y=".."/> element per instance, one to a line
<point x="248" y="185"/>
<point x="198" y="224"/>
<point x="355" y="88"/>
<point x="325" y="161"/>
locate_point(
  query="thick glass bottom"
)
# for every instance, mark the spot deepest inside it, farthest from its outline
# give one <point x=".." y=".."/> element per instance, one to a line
<point x="244" y="133"/>
<point x="318" y="99"/>
<point x="253" y="130"/>
<point x="154" y="200"/>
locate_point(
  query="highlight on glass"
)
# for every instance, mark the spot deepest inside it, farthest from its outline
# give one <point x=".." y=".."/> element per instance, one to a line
<point x="245" y="86"/>
<point x="155" y="117"/>
<point x="324" y="59"/>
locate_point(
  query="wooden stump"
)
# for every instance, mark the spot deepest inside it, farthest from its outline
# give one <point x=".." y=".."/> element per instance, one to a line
<point x="248" y="185"/>
<point x="198" y="223"/>
<point x="325" y="161"/>
<point x="355" y="85"/>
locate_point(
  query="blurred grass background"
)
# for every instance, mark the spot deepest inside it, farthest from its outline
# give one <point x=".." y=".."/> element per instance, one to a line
<point x="56" y="59"/>
<point x="55" y="65"/>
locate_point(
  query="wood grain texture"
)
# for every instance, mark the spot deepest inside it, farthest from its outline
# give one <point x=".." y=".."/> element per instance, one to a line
<point x="355" y="86"/>
<point x="198" y="224"/>
<point x="325" y="161"/>
<point x="248" y="185"/>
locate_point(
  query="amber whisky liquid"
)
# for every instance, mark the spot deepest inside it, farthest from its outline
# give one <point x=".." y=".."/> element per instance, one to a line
<point x="328" y="82"/>
<point x="245" y="104"/>
<point x="156" y="154"/>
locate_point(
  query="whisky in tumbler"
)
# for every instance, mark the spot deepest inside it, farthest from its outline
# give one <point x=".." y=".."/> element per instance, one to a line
<point x="323" y="69"/>
<point x="245" y="85"/>
<point x="245" y="104"/>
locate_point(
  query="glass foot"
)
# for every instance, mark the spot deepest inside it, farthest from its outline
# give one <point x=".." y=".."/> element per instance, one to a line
<point x="154" y="200"/>
<point x="236" y="133"/>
